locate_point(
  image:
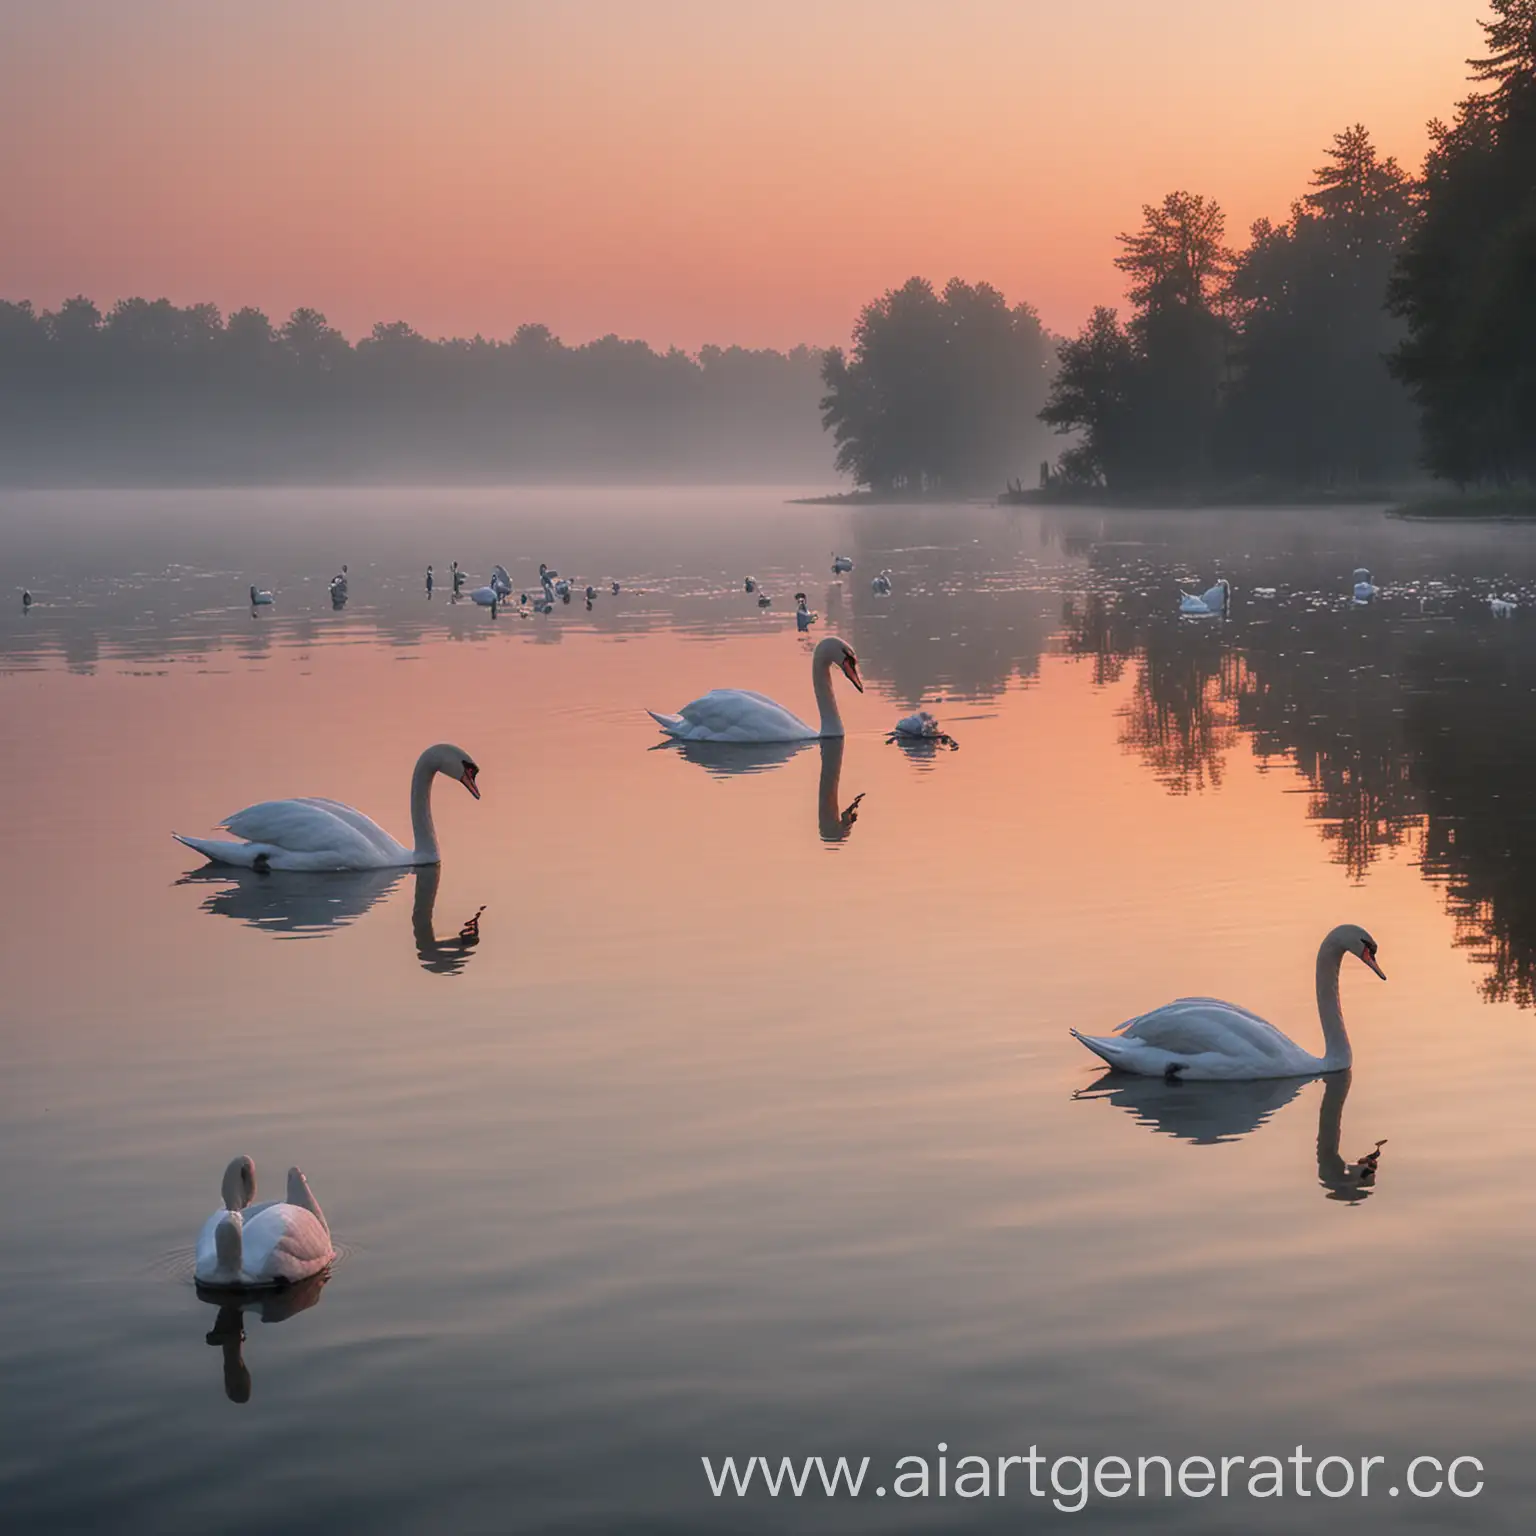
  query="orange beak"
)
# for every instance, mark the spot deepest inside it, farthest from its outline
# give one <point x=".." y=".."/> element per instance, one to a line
<point x="851" y="669"/>
<point x="467" y="779"/>
<point x="1370" y="960"/>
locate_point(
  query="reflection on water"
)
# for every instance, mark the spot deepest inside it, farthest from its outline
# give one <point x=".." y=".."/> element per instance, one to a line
<point x="293" y="904"/>
<point x="833" y="820"/>
<point x="228" y="1331"/>
<point x="1209" y="1114"/>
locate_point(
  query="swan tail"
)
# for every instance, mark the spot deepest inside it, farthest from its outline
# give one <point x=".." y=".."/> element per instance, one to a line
<point x="243" y="854"/>
<point x="1111" y="1050"/>
<point x="672" y="724"/>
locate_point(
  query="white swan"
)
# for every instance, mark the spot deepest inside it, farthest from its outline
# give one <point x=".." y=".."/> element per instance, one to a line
<point x="804" y="618"/>
<point x="840" y="563"/>
<point x="1202" y="1038"/>
<point x="1214" y="602"/>
<point x="486" y="597"/>
<point x="881" y="585"/>
<point x="1502" y="607"/>
<point x="920" y="724"/>
<point x="739" y="715"/>
<point x="338" y="586"/>
<point x="278" y="1242"/>
<point x="314" y="833"/>
<point x="1364" y="589"/>
<point x="501" y="581"/>
<point x="260" y="599"/>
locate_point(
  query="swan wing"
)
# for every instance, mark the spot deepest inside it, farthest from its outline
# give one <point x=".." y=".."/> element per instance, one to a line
<point x="285" y="1243"/>
<point x="314" y="832"/>
<point x="735" y="714"/>
<point x="1196" y="1026"/>
<point x="356" y="819"/>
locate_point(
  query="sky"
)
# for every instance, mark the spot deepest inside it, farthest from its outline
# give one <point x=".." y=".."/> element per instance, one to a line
<point x="684" y="171"/>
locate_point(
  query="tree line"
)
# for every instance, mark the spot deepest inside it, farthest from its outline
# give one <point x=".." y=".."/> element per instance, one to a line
<point x="150" y="390"/>
<point x="1384" y="328"/>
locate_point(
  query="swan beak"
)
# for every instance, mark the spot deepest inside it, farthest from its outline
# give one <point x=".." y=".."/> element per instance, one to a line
<point x="467" y="779"/>
<point x="851" y="668"/>
<point x="1370" y="960"/>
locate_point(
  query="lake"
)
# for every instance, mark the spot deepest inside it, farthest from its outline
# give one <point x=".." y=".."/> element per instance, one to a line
<point x="751" y="1125"/>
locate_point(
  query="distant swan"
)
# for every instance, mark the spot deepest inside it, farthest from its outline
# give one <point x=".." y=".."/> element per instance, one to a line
<point x="338" y="586"/>
<point x="804" y="618"/>
<point x="881" y="585"/>
<point x="739" y="715"/>
<point x="501" y="581"/>
<point x="280" y="1242"/>
<point x="1202" y="1038"/>
<point x="313" y="833"/>
<point x="1364" y="589"/>
<point x="486" y="597"/>
<point x="429" y="581"/>
<point x="615" y="587"/>
<point x="750" y="584"/>
<point x="260" y="599"/>
<point x="1213" y="603"/>
<point x="1502" y="607"/>
<point x="841" y="563"/>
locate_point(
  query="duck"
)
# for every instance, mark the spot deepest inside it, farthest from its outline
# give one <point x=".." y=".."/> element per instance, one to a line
<point x="751" y="583"/>
<point x="840" y="563"/>
<point x="804" y="618"/>
<point x="315" y="834"/>
<point x="1204" y="1039"/>
<point x="1215" y="602"/>
<point x="740" y="715"/>
<point x="338" y="586"/>
<point x="429" y="581"/>
<point x="26" y="598"/>
<point x="280" y="1242"/>
<point x="615" y="586"/>
<point x="260" y="599"/>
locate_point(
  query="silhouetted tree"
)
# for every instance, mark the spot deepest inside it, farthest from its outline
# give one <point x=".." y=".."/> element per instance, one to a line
<point x="1466" y="283"/>
<point x="1313" y="402"/>
<point x="941" y="390"/>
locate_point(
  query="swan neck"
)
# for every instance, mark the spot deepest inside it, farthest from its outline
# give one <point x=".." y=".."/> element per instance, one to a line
<point x="826" y="698"/>
<point x="1336" y="1048"/>
<point x="422" y="829"/>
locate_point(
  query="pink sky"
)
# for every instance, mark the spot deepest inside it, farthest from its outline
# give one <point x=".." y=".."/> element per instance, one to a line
<point x="680" y="170"/>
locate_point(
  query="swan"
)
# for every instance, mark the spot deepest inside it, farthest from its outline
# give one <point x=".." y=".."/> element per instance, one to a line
<point x="804" y="618"/>
<point x="1365" y="589"/>
<point x="751" y="583"/>
<point x="881" y="585"/>
<point x="545" y="574"/>
<point x="338" y="586"/>
<point x="763" y="600"/>
<point x="315" y="833"/>
<point x="429" y="581"/>
<point x="840" y="563"/>
<point x="26" y="598"/>
<point x="276" y="1243"/>
<point x="1214" y="602"/>
<point x="260" y="599"/>
<point x="591" y="593"/>
<point x="486" y="597"/>
<point x="1501" y="607"/>
<point x="739" y="715"/>
<point x="920" y="724"/>
<point x="501" y="581"/>
<point x="1202" y="1038"/>
<point x="615" y="587"/>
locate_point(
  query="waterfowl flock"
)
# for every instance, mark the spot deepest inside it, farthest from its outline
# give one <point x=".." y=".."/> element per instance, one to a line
<point x="245" y="1246"/>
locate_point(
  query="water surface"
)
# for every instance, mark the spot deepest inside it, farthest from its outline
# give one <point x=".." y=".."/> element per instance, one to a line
<point x="751" y="1123"/>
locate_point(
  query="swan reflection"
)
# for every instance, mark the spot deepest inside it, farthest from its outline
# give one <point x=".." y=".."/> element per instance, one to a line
<point x="291" y="903"/>
<point x="228" y="1331"/>
<point x="1208" y="1114"/>
<point x="724" y="760"/>
<point x="833" y="824"/>
<point x="294" y="904"/>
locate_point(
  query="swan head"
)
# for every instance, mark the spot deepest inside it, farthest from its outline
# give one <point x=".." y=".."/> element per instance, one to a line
<point x="239" y="1186"/>
<point x="1356" y="941"/>
<point x="833" y="652"/>
<point x="455" y="763"/>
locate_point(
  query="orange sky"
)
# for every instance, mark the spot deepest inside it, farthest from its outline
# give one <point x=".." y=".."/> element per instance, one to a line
<point x="681" y="170"/>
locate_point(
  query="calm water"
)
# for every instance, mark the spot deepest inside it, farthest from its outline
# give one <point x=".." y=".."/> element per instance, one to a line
<point x="751" y="1125"/>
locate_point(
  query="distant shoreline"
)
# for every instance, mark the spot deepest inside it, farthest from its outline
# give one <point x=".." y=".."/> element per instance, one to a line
<point x="1476" y="506"/>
